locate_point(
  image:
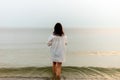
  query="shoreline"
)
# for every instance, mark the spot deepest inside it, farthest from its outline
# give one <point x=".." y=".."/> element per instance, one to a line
<point x="48" y="78"/>
<point x="68" y="73"/>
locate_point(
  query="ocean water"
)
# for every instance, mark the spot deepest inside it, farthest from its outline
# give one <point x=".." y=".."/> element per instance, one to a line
<point x="68" y="73"/>
<point x="86" y="47"/>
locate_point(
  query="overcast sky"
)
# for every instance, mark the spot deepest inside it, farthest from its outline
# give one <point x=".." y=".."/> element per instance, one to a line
<point x="71" y="13"/>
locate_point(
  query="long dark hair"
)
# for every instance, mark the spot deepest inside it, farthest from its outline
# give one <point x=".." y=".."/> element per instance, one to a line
<point x="58" y="30"/>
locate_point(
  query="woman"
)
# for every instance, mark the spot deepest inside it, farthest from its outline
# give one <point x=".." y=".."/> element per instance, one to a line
<point x="57" y="42"/>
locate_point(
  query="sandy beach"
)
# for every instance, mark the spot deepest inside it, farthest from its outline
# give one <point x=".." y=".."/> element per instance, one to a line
<point x="38" y="78"/>
<point x="47" y="78"/>
<point x="68" y="73"/>
<point x="28" y="78"/>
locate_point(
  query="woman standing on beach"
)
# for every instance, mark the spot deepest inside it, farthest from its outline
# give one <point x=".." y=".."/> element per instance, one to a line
<point x="57" y="42"/>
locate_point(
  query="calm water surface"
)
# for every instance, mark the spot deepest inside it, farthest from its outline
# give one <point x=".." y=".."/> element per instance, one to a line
<point x="86" y="47"/>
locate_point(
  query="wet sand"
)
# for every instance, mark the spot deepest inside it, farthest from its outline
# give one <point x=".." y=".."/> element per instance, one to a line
<point x="23" y="78"/>
<point x="68" y="73"/>
<point x="47" y="78"/>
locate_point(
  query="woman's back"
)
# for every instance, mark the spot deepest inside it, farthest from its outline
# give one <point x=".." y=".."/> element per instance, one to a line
<point x="57" y="42"/>
<point x="57" y="48"/>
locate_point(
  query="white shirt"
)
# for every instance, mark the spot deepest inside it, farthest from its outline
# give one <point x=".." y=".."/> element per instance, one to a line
<point x="57" y="47"/>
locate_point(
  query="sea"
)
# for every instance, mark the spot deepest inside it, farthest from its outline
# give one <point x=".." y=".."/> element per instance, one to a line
<point x="27" y="47"/>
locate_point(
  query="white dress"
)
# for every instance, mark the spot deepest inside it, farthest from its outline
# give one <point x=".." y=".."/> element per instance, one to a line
<point x="57" y="47"/>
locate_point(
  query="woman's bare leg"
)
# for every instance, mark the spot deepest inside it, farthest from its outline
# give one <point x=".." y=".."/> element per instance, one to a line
<point x="58" y="74"/>
<point x="54" y="70"/>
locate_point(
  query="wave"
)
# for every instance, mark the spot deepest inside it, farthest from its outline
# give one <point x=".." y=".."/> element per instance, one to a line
<point x="68" y="72"/>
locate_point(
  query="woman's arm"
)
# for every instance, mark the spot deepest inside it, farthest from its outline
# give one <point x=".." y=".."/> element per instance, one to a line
<point x="66" y="42"/>
<point x="49" y="43"/>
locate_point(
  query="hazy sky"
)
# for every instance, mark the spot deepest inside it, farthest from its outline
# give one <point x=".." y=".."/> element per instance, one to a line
<point x="71" y="13"/>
